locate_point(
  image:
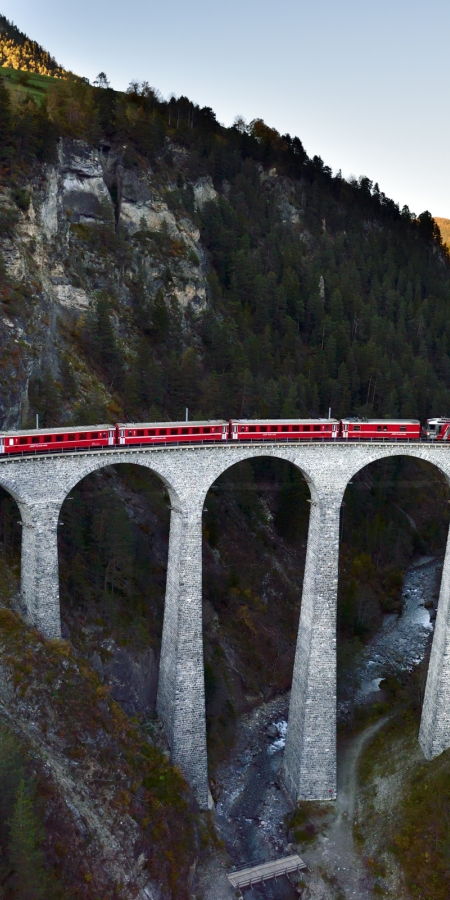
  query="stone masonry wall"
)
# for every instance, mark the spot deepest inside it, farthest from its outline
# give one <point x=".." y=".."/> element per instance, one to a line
<point x="40" y="485"/>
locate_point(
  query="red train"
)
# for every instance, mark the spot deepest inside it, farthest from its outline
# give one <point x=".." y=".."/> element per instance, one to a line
<point x="94" y="437"/>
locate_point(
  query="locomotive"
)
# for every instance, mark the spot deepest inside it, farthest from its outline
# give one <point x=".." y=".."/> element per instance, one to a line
<point x="437" y="430"/>
<point x="94" y="437"/>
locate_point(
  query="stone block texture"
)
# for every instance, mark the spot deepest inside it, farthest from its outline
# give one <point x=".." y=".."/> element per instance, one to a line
<point x="40" y="485"/>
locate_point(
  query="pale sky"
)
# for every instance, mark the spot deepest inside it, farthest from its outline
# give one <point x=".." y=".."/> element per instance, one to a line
<point x="365" y="85"/>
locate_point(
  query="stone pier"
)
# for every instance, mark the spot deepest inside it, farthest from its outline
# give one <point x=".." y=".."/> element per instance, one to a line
<point x="310" y="754"/>
<point x="181" y="686"/>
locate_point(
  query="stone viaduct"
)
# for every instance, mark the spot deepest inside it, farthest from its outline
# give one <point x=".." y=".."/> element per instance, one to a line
<point x="40" y="486"/>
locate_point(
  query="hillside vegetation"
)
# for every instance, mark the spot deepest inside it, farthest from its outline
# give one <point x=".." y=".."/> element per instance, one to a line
<point x="153" y="260"/>
<point x="444" y="228"/>
<point x="321" y="293"/>
<point x="18" y="52"/>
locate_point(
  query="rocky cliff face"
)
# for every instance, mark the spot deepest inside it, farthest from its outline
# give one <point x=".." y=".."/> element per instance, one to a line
<point x="116" y="814"/>
<point x="86" y="228"/>
<point x="108" y="292"/>
<point x="61" y="249"/>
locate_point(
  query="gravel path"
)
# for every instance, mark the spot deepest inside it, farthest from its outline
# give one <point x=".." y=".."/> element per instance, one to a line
<point x="334" y="852"/>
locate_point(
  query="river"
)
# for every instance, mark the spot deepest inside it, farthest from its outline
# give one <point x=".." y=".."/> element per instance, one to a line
<point x="251" y="805"/>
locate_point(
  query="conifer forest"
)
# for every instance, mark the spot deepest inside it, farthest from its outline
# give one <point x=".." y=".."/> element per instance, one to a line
<point x="223" y="271"/>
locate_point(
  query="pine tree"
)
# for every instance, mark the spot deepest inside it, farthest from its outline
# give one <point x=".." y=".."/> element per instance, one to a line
<point x="6" y="124"/>
<point x="25" y="849"/>
<point x="105" y="348"/>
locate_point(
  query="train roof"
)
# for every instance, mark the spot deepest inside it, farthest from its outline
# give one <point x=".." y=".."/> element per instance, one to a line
<point x="280" y="421"/>
<point x="66" y="430"/>
<point x="207" y="422"/>
<point x="382" y="421"/>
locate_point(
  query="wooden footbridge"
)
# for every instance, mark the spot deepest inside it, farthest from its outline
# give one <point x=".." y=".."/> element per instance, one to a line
<point x="243" y="878"/>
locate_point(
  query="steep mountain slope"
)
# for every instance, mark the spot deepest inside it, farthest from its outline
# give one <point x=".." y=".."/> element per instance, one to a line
<point x="231" y="274"/>
<point x="444" y="228"/>
<point x="153" y="260"/>
<point x="18" y="52"/>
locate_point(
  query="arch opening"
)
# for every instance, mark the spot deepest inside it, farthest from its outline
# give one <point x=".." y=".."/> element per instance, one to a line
<point x="255" y="525"/>
<point x="112" y="545"/>
<point x="395" y="512"/>
<point x="10" y="551"/>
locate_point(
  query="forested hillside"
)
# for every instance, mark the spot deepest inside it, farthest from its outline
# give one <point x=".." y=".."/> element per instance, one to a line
<point x="18" y="52"/>
<point x="320" y="293"/>
<point x="444" y="228"/>
<point x="154" y="260"/>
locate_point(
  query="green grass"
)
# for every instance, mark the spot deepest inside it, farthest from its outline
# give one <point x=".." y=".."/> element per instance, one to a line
<point x="22" y="83"/>
<point x="417" y="832"/>
<point x="305" y="822"/>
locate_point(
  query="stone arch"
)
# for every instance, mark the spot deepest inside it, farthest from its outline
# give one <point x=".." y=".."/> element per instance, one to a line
<point x="12" y="526"/>
<point x="95" y="463"/>
<point x="434" y="733"/>
<point x="232" y="455"/>
<point x="310" y="756"/>
<point x="275" y="631"/>
<point x="179" y="697"/>
<point x="392" y="451"/>
<point x="11" y="487"/>
<point x="112" y="552"/>
<point x="40" y="507"/>
<point x="40" y="486"/>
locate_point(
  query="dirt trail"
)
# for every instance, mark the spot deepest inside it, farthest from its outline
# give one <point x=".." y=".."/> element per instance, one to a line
<point x="251" y="809"/>
<point x="334" y="853"/>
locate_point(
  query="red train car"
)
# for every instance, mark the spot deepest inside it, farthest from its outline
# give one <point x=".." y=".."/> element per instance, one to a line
<point x="284" y="429"/>
<point x="171" y="432"/>
<point x="45" y="439"/>
<point x="354" y="429"/>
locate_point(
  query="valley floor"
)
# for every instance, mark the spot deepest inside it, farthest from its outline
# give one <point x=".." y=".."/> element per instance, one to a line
<point x="346" y="845"/>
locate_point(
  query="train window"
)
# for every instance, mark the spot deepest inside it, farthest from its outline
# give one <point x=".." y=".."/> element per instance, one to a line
<point x="94" y="434"/>
<point x="34" y="440"/>
<point x="285" y="427"/>
<point x="316" y="427"/>
<point x="23" y="440"/>
<point x="384" y="427"/>
<point x="72" y="437"/>
<point x="206" y="431"/>
<point x="402" y="427"/>
<point x="140" y="432"/>
<point x="357" y="428"/>
<point x="379" y="428"/>
<point x="129" y="433"/>
<point x="263" y="428"/>
<point x="163" y="430"/>
<point x="174" y="430"/>
<point x="327" y="427"/>
<point x="59" y="437"/>
<point x="307" y="428"/>
<point x="196" y="431"/>
<point x="151" y="431"/>
<point x="252" y="428"/>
